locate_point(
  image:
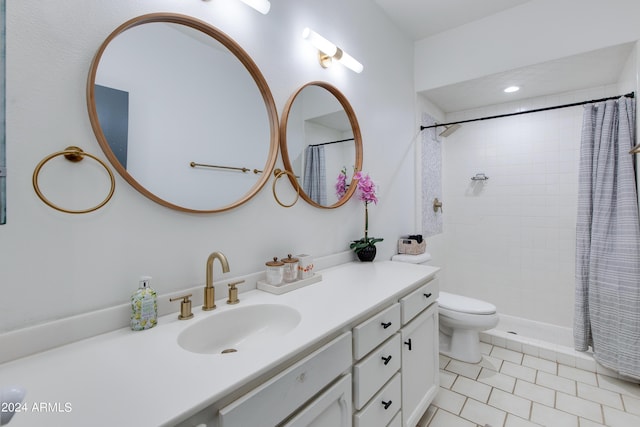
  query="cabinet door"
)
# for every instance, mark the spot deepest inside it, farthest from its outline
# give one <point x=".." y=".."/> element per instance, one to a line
<point x="331" y="409"/>
<point x="420" y="378"/>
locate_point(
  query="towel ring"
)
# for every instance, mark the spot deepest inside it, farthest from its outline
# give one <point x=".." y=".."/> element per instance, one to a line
<point x="279" y="173"/>
<point x="73" y="154"/>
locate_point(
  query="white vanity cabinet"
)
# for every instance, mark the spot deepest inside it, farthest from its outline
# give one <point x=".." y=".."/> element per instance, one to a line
<point x="395" y="374"/>
<point x="420" y="375"/>
<point x="274" y="401"/>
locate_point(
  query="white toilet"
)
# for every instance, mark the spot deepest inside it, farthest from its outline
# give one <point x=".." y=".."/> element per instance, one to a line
<point x="461" y="319"/>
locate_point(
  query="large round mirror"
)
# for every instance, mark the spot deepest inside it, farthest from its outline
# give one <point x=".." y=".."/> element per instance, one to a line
<point x="320" y="140"/>
<point x="183" y="113"/>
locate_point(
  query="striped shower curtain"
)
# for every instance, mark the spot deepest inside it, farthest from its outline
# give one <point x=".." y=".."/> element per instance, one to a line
<point x="314" y="181"/>
<point x="607" y="295"/>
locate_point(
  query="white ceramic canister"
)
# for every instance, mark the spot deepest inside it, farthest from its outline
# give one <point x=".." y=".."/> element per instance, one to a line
<point x="305" y="266"/>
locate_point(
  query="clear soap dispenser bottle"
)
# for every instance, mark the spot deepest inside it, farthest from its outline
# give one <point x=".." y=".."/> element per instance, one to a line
<point x="144" y="306"/>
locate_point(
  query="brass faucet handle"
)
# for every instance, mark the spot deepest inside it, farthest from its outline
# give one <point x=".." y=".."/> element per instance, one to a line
<point x="233" y="292"/>
<point x="185" y="306"/>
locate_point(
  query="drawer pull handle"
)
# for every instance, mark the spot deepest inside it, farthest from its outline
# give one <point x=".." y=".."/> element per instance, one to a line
<point x="386" y="359"/>
<point x="387" y="404"/>
<point x="408" y="343"/>
<point x="385" y="325"/>
<point x="428" y="295"/>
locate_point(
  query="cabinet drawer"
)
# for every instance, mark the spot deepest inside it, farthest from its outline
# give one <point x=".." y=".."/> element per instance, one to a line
<point x="418" y="300"/>
<point x="382" y="408"/>
<point x="276" y="399"/>
<point x="375" y="370"/>
<point x="396" y="421"/>
<point x="370" y="333"/>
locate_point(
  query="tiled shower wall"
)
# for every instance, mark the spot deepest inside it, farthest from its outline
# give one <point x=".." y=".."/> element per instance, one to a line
<point x="510" y="240"/>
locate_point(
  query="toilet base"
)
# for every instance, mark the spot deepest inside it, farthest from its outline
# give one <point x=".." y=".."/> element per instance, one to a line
<point x="463" y="345"/>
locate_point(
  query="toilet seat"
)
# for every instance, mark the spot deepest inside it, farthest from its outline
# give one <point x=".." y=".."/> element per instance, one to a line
<point x="462" y="304"/>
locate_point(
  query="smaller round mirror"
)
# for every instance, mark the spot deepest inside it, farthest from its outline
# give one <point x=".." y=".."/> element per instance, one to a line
<point x="321" y="143"/>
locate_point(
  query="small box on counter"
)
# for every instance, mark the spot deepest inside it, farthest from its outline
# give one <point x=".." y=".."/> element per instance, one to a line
<point x="411" y="246"/>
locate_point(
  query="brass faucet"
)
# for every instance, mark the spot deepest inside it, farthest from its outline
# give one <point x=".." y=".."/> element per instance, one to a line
<point x="209" y="290"/>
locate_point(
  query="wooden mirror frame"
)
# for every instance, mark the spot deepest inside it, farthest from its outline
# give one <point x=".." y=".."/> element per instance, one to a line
<point x="238" y="52"/>
<point x="357" y="139"/>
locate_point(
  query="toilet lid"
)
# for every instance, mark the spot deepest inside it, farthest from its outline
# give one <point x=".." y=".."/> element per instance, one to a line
<point x="464" y="304"/>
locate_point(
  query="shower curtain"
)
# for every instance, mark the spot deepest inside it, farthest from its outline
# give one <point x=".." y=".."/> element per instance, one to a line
<point x="607" y="303"/>
<point x="314" y="179"/>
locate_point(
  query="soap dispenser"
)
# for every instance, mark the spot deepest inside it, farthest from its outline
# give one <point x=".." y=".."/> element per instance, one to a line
<point x="144" y="306"/>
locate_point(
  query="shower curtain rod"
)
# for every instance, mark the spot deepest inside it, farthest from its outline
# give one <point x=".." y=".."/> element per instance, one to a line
<point x="628" y="95"/>
<point x="331" y="142"/>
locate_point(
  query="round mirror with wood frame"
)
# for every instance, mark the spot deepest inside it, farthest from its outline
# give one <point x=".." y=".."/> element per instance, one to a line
<point x="318" y="115"/>
<point x="196" y="140"/>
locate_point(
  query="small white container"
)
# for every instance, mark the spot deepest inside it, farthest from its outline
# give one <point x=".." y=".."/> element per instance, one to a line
<point x="305" y="266"/>
<point x="275" y="272"/>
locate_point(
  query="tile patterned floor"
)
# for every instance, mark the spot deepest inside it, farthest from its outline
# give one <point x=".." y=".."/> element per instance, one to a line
<point x="510" y="388"/>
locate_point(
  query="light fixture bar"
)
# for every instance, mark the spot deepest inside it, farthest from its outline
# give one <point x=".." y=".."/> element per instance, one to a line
<point x="262" y="6"/>
<point x="329" y="51"/>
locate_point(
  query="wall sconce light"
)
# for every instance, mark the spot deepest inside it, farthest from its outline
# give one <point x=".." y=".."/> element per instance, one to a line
<point x="262" y="6"/>
<point x="328" y="51"/>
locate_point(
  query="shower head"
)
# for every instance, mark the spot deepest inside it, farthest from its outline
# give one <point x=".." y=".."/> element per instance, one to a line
<point x="448" y="130"/>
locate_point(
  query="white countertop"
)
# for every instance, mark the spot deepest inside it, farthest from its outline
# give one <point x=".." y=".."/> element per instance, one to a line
<point x="144" y="378"/>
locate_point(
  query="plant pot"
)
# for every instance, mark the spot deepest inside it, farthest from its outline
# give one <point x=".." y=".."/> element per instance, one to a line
<point x="367" y="254"/>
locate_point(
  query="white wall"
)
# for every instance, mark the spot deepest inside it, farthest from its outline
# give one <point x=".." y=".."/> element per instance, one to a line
<point x="54" y="265"/>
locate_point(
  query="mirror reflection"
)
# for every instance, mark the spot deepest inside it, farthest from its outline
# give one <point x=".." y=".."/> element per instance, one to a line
<point x="320" y="139"/>
<point x="183" y="113"/>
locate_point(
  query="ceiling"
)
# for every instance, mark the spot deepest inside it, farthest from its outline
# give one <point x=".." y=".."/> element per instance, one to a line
<point x="424" y="18"/>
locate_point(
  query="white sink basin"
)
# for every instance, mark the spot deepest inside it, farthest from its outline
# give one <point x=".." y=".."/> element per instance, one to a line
<point x="243" y="328"/>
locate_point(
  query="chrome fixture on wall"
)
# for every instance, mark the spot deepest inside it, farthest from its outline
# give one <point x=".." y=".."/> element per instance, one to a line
<point x="327" y="52"/>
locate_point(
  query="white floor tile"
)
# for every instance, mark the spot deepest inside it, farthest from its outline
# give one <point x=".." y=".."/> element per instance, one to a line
<point x="506" y="354"/>
<point x="580" y="407"/>
<point x="631" y="404"/>
<point x="588" y="423"/>
<point x="492" y="363"/>
<point x="447" y="379"/>
<point x="513" y="421"/>
<point x="510" y="403"/>
<point x="496" y="379"/>
<point x="619" y="386"/>
<point x="444" y="360"/>
<point x="564" y="385"/>
<point x="446" y="419"/>
<point x="449" y="400"/>
<point x="531" y="387"/>
<point x="471" y="388"/>
<point x="482" y="414"/>
<point x="465" y="369"/>
<point x="518" y="371"/>
<point x="535" y="393"/>
<point x="552" y="417"/>
<point x="599" y="395"/>
<point x="615" y="418"/>
<point x="577" y="374"/>
<point x="540" y="364"/>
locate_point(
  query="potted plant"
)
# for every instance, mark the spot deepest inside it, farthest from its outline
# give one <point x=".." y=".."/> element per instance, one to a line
<point x="364" y="247"/>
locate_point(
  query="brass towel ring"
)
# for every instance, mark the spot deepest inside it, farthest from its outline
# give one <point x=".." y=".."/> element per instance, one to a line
<point x="73" y="154"/>
<point x="279" y="173"/>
